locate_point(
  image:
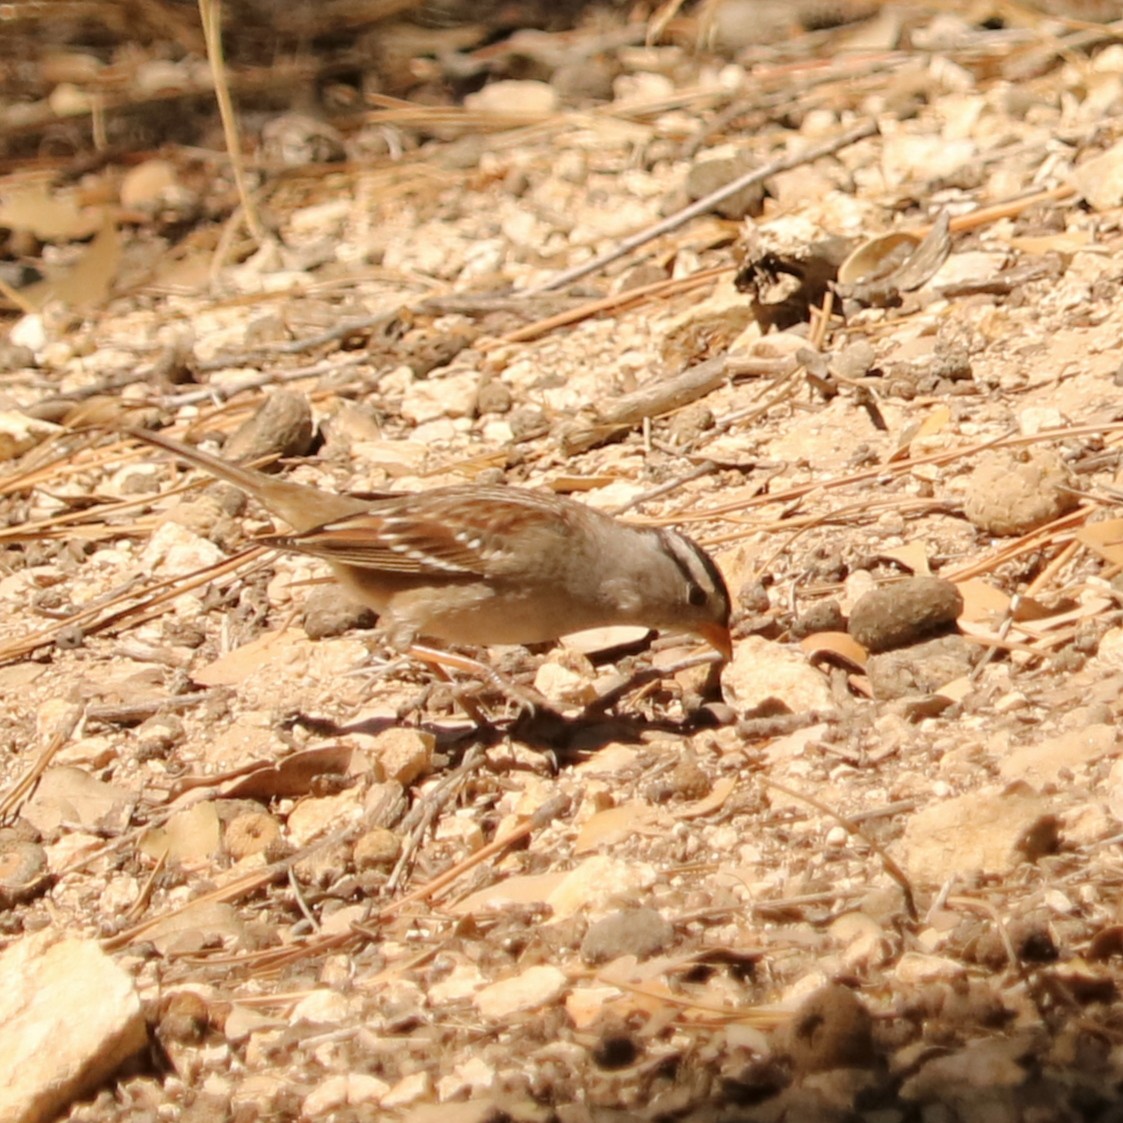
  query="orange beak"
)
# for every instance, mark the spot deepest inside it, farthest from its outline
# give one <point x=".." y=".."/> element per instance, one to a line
<point x="718" y="637"/>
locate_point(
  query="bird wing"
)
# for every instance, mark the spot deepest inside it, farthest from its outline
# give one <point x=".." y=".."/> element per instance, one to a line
<point x="456" y="531"/>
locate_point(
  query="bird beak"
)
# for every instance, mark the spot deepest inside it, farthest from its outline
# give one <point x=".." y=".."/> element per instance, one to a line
<point x="718" y="637"/>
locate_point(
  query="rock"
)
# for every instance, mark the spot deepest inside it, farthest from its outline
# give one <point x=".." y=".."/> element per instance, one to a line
<point x="147" y="185"/>
<point x="19" y="433"/>
<point x="69" y="1017"/>
<point x="1046" y="760"/>
<point x="535" y="987"/>
<point x="1100" y="179"/>
<point x="904" y="613"/>
<point x="831" y="1029"/>
<point x="376" y="849"/>
<point x="641" y="932"/>
<point x="281" y="427"/>
<point x="451" y="395"/>
<point x="329" y="611"/>
<point x="251" y="833"/>
<point x="404" y="754"/>
<point x="920" y="669"/>
<point x="513" y="96"/>
<point x="764" y="677"/>
<point x="24" y="872"/>
<point x="343" y="1090"/>
<point x="990" y="831"/>
<point x="1008" y="495"/>
<point x="709" y="174"/>
<point x="823" y="616"/>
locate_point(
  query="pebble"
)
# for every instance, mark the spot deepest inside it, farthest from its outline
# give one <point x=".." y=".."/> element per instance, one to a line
<point x="282" y="426"/>
<point x="329" y="611"/>
<point x="922" y="668"/>
<point x="904" y="612"/>
<point x="641" y="932"/>
<point x="1008" y="495"/>
<point x="831" y="1029"/>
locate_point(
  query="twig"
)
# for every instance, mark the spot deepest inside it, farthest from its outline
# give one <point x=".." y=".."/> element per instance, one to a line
<point x="210" y="11"/>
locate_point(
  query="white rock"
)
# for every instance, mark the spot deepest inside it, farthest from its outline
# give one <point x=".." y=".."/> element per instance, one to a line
<point x="344" y="1090"/>
<point x="69" y="1016"/>
<point x="451" y="395"/>
<point x="535" y="987"/>
<point x="19" y="433"/>
<point x="409" y="1089"/>
<point x="597" y="883"/>
<point x="316" y="816"/>
<point x="563" y="684"/>
<point x="404" y="754"/>
<point x="514" y="96"/>
<point x="762" y="672"/>
<point x="173" y="549"/>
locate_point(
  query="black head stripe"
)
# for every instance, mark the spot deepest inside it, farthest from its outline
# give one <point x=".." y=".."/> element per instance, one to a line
<point x="696" y="566"/>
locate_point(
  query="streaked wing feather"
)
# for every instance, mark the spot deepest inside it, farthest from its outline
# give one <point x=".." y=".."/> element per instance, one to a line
<point x="429" y="533"/>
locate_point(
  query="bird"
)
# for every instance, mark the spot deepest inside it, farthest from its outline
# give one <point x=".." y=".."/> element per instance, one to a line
<point x="481" y="564"/>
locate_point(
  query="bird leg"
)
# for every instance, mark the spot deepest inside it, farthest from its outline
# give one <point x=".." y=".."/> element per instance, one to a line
<point x="524" y="697"/>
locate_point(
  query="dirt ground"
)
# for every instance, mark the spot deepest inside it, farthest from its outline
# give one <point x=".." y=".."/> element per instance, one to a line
<point x="871" y="869"/>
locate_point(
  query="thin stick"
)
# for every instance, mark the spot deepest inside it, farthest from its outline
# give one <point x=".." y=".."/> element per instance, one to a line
<point x="210" y="11"/>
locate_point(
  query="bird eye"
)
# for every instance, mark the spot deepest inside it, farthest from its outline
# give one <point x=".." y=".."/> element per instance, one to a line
<point x="696" y="596"/>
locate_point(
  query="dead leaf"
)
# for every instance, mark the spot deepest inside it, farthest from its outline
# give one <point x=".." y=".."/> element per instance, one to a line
<point x="840" y="645"/>
<point x="188" y="836"/>
<point x="68" y="796"/>
<point x="616" y="824"/>
<point x="722" y="790"/>
<point x="51" y="218"/>
<point x="86" y="284"/>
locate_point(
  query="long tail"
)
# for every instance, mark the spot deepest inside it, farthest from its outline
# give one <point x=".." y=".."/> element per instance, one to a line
<point x="303" y="508"/>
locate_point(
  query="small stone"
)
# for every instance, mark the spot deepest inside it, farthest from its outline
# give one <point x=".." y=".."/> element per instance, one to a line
<point x="251" y="833"/>
<point x="24" y="870"/>
<point x="493" y="397"/>
<point x="282" y="426"/>
<point x="831" y="1029"/>
<point x="536" y="987"/>
<point x="514" y="96"/>
<point x="376" y="849"/>
<point x="405" y="754"/>
<point x="640" y="932"/>
<point x="69" y="1018"/>
<point x="1008" y="495"/>
<point x="823" y="616"/>
<point x="904" y="613"/>
<point x="329" y="611"/>
<point x="19" y="433"/>
<point x="157" y="736"/>
<point x="988" y="831"/>
<point x="764" y="677"/>
<point x="567" y="678"/>
<point x="922" y="668"/>
<point x="148" y="184"/>
<point x="709" y="175"/>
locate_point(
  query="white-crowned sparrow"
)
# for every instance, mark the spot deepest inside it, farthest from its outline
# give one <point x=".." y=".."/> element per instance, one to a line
<point x="482" y="564"/>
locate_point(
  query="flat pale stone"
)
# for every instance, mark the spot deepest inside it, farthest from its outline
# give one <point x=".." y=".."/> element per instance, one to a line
<point x="1045" y="760"/>
<point x="69" y="1017"/>
<point x="535" y="987"/>
<point x="990" y="831"/>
